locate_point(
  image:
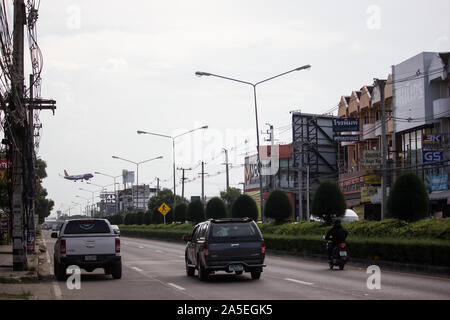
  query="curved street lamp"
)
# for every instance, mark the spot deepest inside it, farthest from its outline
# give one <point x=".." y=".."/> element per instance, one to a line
<point x="173" y="153"/>
<point x="254" y="85"/>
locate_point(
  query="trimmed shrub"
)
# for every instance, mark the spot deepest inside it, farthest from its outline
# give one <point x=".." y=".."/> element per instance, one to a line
<point x="195" y="212"/>
<point x="139" y="218"/>
<point x="244" y="206"/>
<point x="278" y="206"/>
<point x="328" y="202"/>
<point x="148" y="217"/>
<point x="157" y="217"/>
<point x="215" y="209"/>
<point x="130" y="219"/>
<point x="180" y="212"/>
<point x="408" y="199"/>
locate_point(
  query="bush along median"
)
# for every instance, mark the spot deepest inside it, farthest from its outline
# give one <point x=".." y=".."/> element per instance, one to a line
<point x="423" y="242"/>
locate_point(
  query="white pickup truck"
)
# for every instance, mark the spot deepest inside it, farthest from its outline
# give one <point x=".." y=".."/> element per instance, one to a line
<point x="88" y="244"/>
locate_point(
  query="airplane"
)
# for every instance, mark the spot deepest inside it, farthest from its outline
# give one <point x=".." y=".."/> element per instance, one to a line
<point x="81" y="177"/>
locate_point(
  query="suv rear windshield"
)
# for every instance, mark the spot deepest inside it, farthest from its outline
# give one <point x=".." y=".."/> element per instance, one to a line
<point x="86" y="226"/>
<point x="234" y="231"/>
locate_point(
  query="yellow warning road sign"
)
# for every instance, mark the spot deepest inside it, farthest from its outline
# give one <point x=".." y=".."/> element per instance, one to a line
<point x="164" y="209"/>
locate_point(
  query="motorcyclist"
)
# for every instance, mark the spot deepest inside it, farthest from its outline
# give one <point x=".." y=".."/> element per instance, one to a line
<point x="337" y="234"/>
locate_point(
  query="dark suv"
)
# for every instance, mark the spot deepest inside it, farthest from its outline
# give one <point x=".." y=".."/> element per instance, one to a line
<point x="231" y="245"/>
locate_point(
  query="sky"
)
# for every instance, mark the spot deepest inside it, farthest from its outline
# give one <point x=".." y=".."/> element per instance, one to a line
<point x="115" y="67"/>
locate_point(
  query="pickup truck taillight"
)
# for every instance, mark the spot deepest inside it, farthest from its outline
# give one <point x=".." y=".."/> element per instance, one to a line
<point x="117" y="245"/>
<point x="62" y="247"/>
<point x="263" y="249"/>
<point x="206" y="251"/>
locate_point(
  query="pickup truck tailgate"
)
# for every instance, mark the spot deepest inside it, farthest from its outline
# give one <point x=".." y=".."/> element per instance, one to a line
<point x="86" y="245"/>
<point x="242" y="250"/>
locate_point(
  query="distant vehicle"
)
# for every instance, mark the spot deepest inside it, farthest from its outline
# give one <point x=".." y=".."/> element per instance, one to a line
<point x="116" y="229"/>
<point x="85" y="176"/>
<point x="349" y="216"/>
<point x="230" y="245"/>
<point x="55" y="227"/>
<point x="88" y="244"/>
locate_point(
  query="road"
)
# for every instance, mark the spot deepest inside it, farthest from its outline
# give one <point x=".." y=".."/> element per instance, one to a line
<point x="155" y="270"/>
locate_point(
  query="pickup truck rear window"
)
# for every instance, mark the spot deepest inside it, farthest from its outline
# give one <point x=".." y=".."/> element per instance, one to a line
<point x="87" y="226"/>
<point x="223" y="231"/>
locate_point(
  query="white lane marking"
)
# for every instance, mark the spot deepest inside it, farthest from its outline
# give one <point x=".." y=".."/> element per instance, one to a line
<point x="141" y="247"/>
<point x="298" y="281"/>
<point x="159" y="251"/>
<point x="175" y="286"/>
<point x="58" y="293"/>
<point x="137" y="269"/>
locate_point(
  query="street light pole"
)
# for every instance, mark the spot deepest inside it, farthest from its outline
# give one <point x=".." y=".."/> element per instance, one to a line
<point x="115" y="191"/>
<point x="173" y="154"/>
<point x="254" y="85"/>
<point x="137" y="172"/>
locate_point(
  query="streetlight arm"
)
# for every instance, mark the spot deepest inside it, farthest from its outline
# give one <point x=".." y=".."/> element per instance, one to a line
<point x="155" y="134"/>
<point x="160" y="157"/>
<point x="114" y="157"/>
<point x="199" y="74"/>
<point x="282" y="74"/>
<point x="204" y="127"/>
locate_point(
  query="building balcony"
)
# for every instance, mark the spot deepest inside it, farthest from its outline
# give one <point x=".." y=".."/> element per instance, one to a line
<point x="441" y="108"/>
<point x="368" y="131"/>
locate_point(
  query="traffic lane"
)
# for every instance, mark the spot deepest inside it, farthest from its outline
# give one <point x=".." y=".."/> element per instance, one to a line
<point x="98" y="286"/>
<point x="351" y="282"/>
<point x="149" y="256"/>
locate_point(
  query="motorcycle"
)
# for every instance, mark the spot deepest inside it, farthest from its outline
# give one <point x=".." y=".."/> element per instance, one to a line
<point x="339" y="256"/>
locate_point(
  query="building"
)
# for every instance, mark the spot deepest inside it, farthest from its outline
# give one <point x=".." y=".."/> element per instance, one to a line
<point x="130" y="200"/>
<point x="417" y="109"/>
<point x="282" y="178"/>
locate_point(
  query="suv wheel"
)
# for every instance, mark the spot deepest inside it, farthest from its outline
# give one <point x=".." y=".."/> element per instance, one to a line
<point x="256" y="275"/>
<point x="116" y="270"/>
<point x="202" y="273"/>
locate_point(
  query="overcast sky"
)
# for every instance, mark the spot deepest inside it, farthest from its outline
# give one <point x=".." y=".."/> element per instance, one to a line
<point x="115" y="67"/>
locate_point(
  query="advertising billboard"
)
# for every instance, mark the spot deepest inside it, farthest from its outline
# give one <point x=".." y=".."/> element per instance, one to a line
<point x="345" y="124"/>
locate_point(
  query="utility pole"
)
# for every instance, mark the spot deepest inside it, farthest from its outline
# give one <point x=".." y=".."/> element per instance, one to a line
<point x="226" y="167"/>
<point x="18" y="137"/>
<point x="307" y="192"/>
<point x="183" y="179"/>
<point x="157" y="185"/>
<point x="203" y="182"/>
<point x="381" y="85"/>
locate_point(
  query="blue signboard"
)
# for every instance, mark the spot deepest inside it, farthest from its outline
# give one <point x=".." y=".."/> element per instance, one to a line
<point x="438" y="182"/>
<point x="345" y="124"/>
<point x="429" y="156"/>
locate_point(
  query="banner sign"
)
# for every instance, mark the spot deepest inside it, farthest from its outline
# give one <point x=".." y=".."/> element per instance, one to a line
<point x="371" y="177"/>
<point x="346" y="138"/>
<point x="372" y="158"/>
<point x="345" y="124"/>
<point x="437" y="182"/>
<point x="431" y="141"/>
<point x="429" y="156"/>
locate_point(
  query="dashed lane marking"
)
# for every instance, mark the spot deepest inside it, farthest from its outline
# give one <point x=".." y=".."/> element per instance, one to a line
<point x="298" y="281"/>
<point x="175" y="286"/>
<point x="137" y="269"/>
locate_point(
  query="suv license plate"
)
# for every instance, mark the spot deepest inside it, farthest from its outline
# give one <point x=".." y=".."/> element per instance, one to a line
<point x="90" y="258"/>
<point x="343" y="253"/>
<point x="235" y="267"/>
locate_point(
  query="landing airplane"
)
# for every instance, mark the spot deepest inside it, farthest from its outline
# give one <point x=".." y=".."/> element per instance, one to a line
<point x="81" y="177"/>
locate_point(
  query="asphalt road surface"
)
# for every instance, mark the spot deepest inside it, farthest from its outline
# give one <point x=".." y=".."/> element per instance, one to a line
<point x="155" y="270"/>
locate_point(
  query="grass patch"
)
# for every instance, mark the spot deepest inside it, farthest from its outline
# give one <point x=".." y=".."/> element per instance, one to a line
<point x="25" y="295"/>
<point x="9" y="280"/>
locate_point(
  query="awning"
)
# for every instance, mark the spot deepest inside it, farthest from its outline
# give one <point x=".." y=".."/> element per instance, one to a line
<point x="439" y="195"/>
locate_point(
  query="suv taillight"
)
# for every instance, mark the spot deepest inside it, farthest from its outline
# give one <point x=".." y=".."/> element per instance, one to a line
<point x="263" y="249"/>
<point x="117" y="245"/>
<point x="62" y="247"/>
<point x="206" y="251"/>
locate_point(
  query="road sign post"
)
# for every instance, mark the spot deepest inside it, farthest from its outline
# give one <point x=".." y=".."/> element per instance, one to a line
<point x="164" y="209"/>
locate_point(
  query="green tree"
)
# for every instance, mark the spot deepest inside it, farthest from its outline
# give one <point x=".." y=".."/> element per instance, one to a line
<point x="328" y="202"/>
<point x="139" y="218"/>
<point x="229" y="196"/>
<point x="408" y="198"/>
<point x="215" y="209"/>
<point x="148" y="217"/>
<point x="42" y="206"/>
<point x="157" y="217"/>
<point x="278" y="206"/>
<point x="195" y="212"/>
<point x="180" y="212"/>
<point x="164" y="196"/>
<point x="244" y="206"/>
